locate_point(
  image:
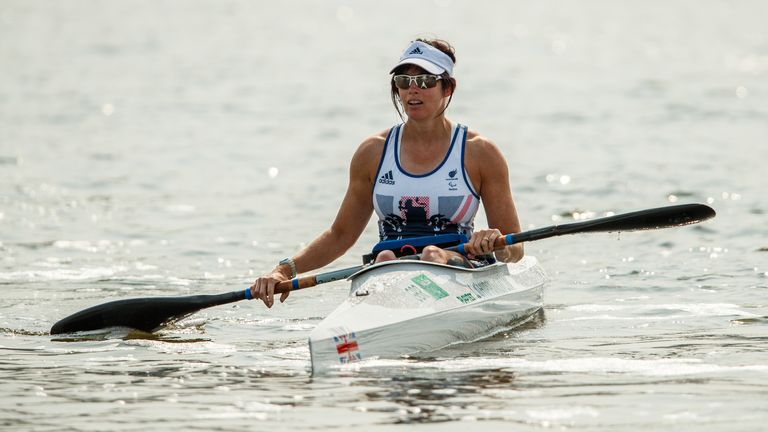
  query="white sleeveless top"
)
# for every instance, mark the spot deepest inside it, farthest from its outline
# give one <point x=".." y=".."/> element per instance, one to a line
<point x="439" y="202"/>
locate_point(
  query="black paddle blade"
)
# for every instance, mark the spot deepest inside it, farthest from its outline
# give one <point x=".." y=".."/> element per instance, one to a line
<point x="145" y="314"/>
<point x="655" y="218"/>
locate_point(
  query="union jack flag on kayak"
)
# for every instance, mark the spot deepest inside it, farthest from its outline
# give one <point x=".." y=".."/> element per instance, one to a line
<point x="347" y="348"/>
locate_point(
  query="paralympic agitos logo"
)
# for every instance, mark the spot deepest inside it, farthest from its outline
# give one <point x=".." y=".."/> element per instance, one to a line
<point x="452" y="180"/>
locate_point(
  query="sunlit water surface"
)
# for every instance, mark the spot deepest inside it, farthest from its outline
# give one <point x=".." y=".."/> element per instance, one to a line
<point x="173" y="148"/>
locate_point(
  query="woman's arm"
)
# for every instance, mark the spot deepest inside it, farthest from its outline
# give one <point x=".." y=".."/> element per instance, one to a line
<point x="353" y="215"/>
<point x="489" y="173"/>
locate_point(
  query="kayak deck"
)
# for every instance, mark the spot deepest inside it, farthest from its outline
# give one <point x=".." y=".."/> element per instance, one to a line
<point x="398" y="308"/>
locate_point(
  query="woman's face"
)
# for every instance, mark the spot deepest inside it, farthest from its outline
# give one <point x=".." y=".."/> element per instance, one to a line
<point x="422" y="103"/>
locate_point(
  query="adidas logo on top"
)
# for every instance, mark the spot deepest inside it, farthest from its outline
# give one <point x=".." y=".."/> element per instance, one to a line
<point x="415" y="51"/>
<point x="387" y="178"/>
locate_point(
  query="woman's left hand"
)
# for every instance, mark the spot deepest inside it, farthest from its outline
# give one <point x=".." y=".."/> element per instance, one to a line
<point x="482" y="242"/>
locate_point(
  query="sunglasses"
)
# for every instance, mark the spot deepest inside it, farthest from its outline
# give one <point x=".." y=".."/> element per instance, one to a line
<point x="403" y="82"/>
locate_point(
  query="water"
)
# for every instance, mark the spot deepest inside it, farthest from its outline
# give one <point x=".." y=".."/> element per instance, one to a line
<point x="171" y="148"/>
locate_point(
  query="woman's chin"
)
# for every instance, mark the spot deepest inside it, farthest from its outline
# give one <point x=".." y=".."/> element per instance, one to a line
<point x="416" y="114"/>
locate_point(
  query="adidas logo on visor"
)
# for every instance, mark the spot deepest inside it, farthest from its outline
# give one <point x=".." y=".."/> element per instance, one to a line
<point x="427" y="57"/>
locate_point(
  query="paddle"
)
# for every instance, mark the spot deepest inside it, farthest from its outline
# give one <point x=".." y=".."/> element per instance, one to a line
<point x="660" y="217"/>
<point x="151" y="313"/>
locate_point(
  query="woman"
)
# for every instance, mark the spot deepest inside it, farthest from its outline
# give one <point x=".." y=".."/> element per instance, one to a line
<point x="423" y="177"/>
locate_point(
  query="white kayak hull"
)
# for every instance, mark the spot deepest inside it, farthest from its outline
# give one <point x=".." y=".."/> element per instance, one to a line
<point x="398" y="308"/>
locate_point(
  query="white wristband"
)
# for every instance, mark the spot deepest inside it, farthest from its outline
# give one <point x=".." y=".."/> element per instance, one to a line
<point x="292" y="265"/>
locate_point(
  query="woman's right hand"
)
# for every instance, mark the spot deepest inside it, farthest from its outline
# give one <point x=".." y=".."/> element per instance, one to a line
<point x="264" y="287"/>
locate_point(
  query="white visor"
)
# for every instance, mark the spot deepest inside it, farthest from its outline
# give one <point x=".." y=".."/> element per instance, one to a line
<point x="426" y="57"/>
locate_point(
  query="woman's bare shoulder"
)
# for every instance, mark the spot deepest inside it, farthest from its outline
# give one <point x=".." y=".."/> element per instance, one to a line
<point x="372" y="145"/>
<point x="480" y="147"/>
<point x="375" y="141"/>
<point x="369" y="152"/>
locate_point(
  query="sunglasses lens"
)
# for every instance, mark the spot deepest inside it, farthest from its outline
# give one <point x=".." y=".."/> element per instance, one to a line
<point x="402" y="81"/>
<point x="426" y="81"/>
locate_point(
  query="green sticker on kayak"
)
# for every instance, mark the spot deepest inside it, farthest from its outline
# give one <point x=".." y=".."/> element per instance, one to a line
<point x="466" y="298"/>
<point x="425" y="283"/>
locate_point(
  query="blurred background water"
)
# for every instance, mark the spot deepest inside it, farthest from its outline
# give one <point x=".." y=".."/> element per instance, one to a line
<point x="175" y="147"/>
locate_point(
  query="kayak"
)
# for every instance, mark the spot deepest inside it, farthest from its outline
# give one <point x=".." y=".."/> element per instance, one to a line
<point x="400" y="307"/>
<point x="404" y="307"/>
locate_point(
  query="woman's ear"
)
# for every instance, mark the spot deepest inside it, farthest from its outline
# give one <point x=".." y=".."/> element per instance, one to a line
<point x="448" y="90"/>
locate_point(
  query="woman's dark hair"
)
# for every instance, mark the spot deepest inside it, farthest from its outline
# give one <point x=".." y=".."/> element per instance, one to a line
<point x="446" y="82"/>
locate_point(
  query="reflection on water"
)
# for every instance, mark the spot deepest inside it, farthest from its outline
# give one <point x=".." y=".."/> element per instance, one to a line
<point x="432" y="397"/>
<point x="127" y="334"/>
